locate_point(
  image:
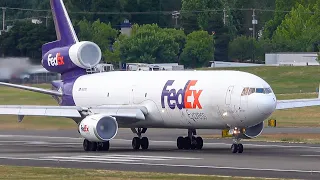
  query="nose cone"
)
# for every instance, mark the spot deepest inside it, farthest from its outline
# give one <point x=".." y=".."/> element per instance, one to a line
<point x="266" y="104"/>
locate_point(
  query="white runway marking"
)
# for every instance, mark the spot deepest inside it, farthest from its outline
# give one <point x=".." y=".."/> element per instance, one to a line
<point x="310" y="155"/>
<point x="112" y="157"/>
<point x="165" y="165"/>
<point x="120" y="157"/>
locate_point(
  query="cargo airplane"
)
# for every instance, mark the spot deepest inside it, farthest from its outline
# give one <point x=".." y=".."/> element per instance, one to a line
<point x="100" y="103"/>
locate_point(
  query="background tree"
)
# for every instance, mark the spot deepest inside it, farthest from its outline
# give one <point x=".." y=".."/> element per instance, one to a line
<point x="150" y="44"/>
<point x="199" y="49"/>
<point x="299" y="30"/>
<point x="26" y="39"/>
<point x="100" y="33"/>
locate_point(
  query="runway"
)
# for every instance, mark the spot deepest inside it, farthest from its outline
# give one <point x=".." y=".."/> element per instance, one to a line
<point x="64" y="149"/>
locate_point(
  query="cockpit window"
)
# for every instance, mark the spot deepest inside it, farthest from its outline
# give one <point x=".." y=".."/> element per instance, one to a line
<point x="247" y="91"/>
<point x="260" y="90"/>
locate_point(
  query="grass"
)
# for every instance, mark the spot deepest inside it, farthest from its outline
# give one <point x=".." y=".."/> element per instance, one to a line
<point x="17" y="173"/>
<point x="285" y="79"/>
<point x="287" y="82"/>
<point x="11" y="96"/>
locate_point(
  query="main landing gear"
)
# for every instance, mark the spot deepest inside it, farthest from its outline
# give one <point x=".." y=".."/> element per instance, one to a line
<point x="140" y="141"/>
<point x="236" y="147"/>
<point x="95" y="146"/>
<point x="190" y="142"/>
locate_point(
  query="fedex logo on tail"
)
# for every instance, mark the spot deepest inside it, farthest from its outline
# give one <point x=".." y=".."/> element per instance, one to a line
<point x="181" y="98"/>
<point x="58" y="60"/>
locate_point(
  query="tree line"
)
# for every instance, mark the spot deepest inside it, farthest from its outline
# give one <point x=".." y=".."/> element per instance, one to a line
<point x="205" y="29"/>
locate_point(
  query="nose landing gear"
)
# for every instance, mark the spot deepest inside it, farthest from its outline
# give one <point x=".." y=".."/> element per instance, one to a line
<point x="236" y="147"/>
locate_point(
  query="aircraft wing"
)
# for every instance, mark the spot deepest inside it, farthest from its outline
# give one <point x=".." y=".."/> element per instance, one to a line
<point x="297" y="103"/>
<point x="122" y="113"/>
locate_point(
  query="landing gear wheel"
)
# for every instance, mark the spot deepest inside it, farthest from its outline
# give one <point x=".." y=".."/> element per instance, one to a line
<point x="199" y="143"/>
<point x="180" y="142"/>
<point x="187" y="143"/>
<point x="93" y="146"/>
<point x="234" y="148"/>
<point x="103" y="146"/>
<point x="240" y="148"/>
<point x="136" y="142"/>
<point x="86" y="145"/>
<point x="144" y="143"/>
<point x="193" y="143"/>
<point x="89" y="146"/>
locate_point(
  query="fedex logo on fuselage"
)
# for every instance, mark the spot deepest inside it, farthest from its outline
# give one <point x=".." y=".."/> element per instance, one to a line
<point x="55" y="61"/>
<point x="181" y="98"/>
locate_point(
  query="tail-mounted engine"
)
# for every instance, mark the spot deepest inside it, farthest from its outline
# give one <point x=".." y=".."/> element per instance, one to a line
<point x="83" y="55"/>
<point x="98" y="128"/>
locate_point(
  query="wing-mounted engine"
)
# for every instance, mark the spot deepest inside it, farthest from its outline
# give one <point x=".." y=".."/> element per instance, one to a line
<point x="82" y="55"/>
<point x="98" y="128"/>
<point x="252" y="132"/>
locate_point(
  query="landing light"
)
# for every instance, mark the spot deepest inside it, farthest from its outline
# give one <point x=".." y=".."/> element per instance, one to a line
<point x="225" y="114"/>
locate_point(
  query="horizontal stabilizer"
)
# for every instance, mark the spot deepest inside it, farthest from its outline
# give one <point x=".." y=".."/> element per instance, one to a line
<point x="34" y="89"/>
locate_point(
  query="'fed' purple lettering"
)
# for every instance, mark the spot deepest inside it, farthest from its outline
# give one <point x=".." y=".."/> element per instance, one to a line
<point x="180" y="98"/>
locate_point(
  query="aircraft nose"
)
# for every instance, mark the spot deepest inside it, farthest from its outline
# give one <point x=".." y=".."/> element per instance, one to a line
<point x="267" y="104"/>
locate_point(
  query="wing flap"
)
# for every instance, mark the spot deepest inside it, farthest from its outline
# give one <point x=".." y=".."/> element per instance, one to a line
<point x="297" y="103"/>
<point x="123" y="114"/>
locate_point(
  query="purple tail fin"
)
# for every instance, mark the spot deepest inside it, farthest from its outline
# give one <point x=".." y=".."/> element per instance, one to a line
<point x="67" y="55"/>
<point x="64" y="29"/>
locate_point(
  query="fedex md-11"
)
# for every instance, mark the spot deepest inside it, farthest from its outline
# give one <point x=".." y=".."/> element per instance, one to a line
<point x="101" y="103"/>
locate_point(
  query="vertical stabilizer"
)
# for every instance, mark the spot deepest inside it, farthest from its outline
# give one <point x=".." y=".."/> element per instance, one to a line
<point x="67" y="55"/>
<point x="64" y="29"/>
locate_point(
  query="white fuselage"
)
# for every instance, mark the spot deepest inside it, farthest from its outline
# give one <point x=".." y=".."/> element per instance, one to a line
<point x="211" y="99"/>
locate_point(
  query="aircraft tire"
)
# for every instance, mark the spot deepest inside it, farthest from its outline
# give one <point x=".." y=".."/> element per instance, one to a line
<point x="89" y="146"/>
<point x="234" y="148"/>
<point x="187" y="143"/>
<point x="144" y="143"/>
<point x="103" y="146"/>
<point x="193" y="145"/>
<point x="93" y="146"/>
<point x="86" y="145"/>
<point x="180" y="142"/>
<point x="240" y="148"/>
<point x="136" y="143"/>
<point x="199" y="141"/>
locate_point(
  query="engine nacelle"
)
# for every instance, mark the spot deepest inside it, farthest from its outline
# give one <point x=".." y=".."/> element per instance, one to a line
<point x="253" y="131"/>
<point x="98" y="128"/>
<point x="83" y="55"/>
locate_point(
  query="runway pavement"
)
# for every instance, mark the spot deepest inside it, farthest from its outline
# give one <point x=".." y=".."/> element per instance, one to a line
<point x="64" y="149"/>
